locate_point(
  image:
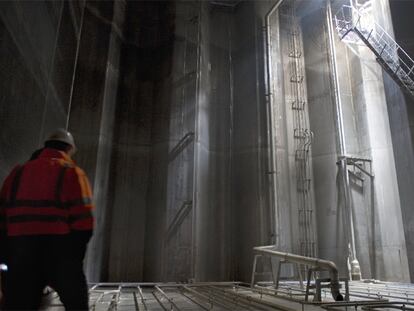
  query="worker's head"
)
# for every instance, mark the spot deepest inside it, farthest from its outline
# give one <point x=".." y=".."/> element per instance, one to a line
<point x="61" y="140"/>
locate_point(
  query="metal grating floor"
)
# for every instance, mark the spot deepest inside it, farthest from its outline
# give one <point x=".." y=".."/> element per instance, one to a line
<point x="364" y="295"/>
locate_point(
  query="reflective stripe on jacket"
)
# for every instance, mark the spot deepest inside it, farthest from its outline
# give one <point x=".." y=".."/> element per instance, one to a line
<point x="48" y="195"/>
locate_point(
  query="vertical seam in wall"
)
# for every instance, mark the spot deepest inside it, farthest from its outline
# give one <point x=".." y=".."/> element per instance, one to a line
<point x="75" y="65"/>
<point x="230" y="161"/>
<point x="196" y="143"/>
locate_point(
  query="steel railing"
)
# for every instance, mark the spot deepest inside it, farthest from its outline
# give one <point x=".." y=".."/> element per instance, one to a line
<point x="355" y="27"/>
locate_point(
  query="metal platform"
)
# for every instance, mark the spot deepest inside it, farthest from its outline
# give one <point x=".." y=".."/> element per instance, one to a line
<point x="364" y="295"/>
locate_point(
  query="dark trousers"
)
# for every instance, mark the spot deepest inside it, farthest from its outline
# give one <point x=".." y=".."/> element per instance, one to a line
<point x="35" y="262"/>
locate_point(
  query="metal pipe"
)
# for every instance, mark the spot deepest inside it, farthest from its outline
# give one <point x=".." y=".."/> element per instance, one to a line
<point x="97" y="300"/>
<point x="239" y="303"/>
<point x="205" y="297"/>
<point x="275" y="291"/>
<point x="196" y="302"/>
<point x="159" y="302"/>
<point x="288" y="295"/>
<point x="115" y="299"/>
<point x="334" y="71"/>
<point x="170" y="300"/>
<point x="308" y="261"/>
<point x="257" y="304"/>
<point x="97" y="286"/>
<point x="355" y="268"/>
<point x="272" y="153"/>
<point x="258" y="301"/>
<point x="134" y="294"/>
<point x="142" y="297"/>
<point x="261" y="208"/>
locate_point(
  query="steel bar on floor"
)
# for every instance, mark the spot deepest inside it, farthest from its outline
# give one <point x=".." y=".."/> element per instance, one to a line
<point x="249" y="302"/>
<point x="196" y="302"/>
<point x="203" y="296"/>
<point x="142" y="298"/>
<point x="159" y="301"/>
<point x="173" y="305"/>
<point x="134" y="294"/>
<point x="230" y="303"/>
<point x="239" y="296"/>
<point x="258" y="301"/>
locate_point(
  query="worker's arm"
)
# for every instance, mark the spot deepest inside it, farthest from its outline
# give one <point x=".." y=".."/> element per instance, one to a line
<point x="3" y="233"/>
<point x="77" y="196"/>
<point x="4" y="199"/>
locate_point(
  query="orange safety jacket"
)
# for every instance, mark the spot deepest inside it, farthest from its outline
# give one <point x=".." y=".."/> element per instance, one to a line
<point x="46" y="196"/>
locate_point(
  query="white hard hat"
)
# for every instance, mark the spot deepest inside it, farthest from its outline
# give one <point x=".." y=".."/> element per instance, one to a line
<point x="63" y="136"/>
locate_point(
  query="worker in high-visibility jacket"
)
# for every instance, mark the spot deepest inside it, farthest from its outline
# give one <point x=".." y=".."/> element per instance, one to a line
<point x="46" y="222"/>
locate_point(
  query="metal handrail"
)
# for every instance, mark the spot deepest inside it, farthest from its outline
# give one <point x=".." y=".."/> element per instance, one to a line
<point x="308" y="261"/>
<point x="376" y="26"/>
<point x="351" y="23"/>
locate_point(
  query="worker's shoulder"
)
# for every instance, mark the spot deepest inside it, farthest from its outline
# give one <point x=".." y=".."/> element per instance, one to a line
<point x="70" y="167"/>
<point x="74" y="169"/>
<point x="14" y="171"/>
<point x="64" y="163"/>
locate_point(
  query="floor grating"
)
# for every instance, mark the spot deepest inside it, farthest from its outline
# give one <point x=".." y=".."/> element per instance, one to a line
<point x="364" y="295"/>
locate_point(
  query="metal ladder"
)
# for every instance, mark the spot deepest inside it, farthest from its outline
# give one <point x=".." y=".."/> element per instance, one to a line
<point x="303" y="136"/>
<point x="354" y="26"/>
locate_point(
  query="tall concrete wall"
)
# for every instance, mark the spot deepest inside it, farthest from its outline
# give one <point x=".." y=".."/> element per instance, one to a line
<point x="180" y="232"/>
<point x="375" y="203"/>
<point x="175" y="126"/>
<point x="169" y="230"/>
<point x="64" y="76"/>
<point x="30" y="56"/>
<point x="250" y="146"/>
<point x="325" y="144"/>
<point x="214" y="135"/>
<point x="401" y="114"/>
<point x="131" y="144"/>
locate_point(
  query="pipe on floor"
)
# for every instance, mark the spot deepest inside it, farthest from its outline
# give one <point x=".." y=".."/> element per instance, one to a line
<point x="308" y="261"/>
